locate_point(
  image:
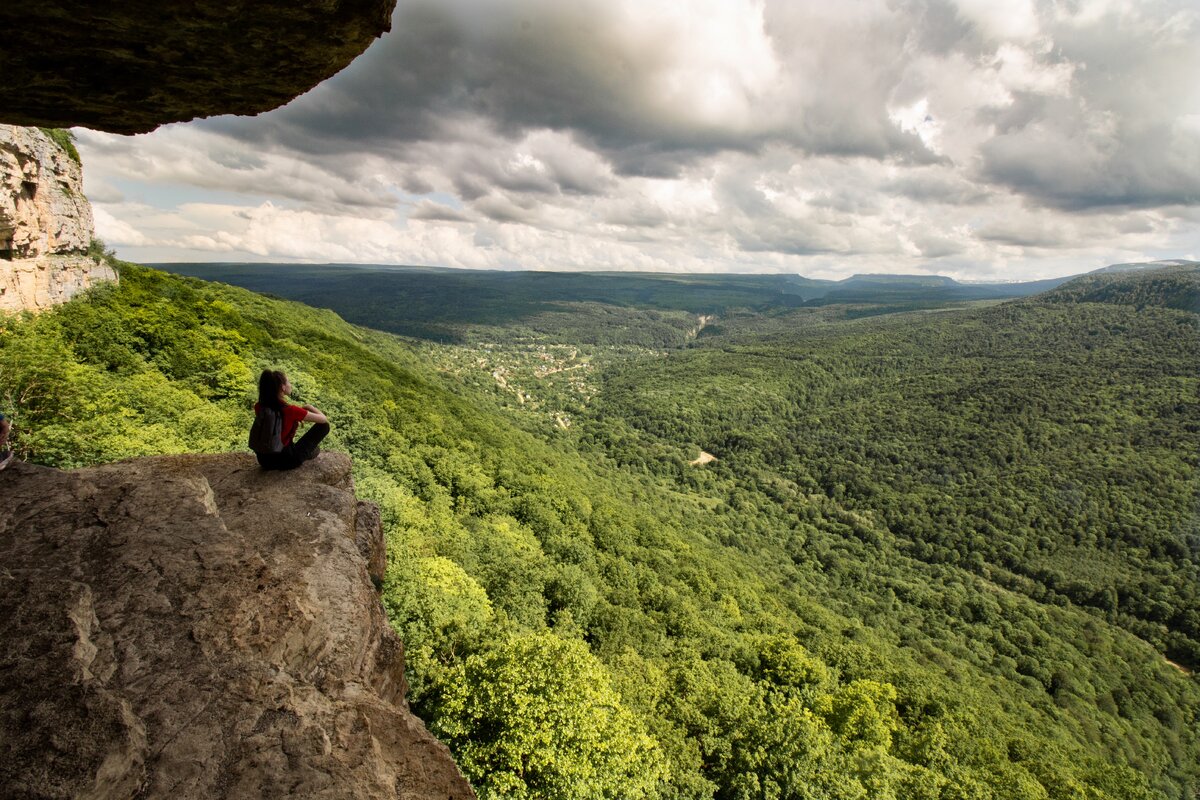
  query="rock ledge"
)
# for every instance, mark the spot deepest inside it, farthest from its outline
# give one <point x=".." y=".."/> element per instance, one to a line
<point x="193" y="627"/>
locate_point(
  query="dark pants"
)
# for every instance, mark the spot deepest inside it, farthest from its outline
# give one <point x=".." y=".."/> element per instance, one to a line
<point x="296" y="453"/>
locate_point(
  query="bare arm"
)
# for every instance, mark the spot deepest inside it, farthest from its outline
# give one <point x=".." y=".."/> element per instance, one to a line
<point x="314" y="415"/>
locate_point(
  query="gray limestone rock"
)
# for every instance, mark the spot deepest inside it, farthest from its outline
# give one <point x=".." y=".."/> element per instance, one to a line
<point x="193" y="627"/>
<point x="45" y="224"/>
<point x="42" y="207"/>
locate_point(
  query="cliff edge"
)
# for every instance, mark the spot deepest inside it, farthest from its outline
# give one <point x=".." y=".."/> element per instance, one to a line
<point x="194" y="627"/>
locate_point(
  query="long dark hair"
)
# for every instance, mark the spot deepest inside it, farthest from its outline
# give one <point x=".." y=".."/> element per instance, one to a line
<point x="270" y="387"/>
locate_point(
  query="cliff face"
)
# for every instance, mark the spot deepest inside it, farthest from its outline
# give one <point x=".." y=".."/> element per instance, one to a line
<point x="45" y="223"/>
<point x="193" y="627"/>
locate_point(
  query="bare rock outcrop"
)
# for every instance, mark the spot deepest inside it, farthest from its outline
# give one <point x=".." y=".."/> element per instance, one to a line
<point x="192" y="627"/>
<point x="129" y="67"/>
<point x="33" y="284"/>
<point x="42" y="207"/>
<point x="45" y="223"/>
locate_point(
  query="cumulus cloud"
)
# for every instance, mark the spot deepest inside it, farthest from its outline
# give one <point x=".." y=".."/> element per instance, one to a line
<point x="187" y="155"/>
<point x="1121" y="136"/>
<point x="650" y="84"/>
<point x="938" y="186"/>
<point x="956" y="135"/>
<point x="116" y="231"/>
<point x="1014" y="20"/>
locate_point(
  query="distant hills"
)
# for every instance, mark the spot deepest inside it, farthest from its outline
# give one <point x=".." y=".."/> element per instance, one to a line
<point x="1147" y="266"/>
<point x="1170" y="284"/>
<point x="441" y="303"/>
<point x="923" y="289"/>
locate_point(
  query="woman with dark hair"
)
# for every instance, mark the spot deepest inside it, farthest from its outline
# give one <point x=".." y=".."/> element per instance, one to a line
<point x="273" y="389"/>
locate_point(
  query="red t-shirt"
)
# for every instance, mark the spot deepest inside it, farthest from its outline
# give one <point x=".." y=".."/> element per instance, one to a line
<point x="292" y="416"/>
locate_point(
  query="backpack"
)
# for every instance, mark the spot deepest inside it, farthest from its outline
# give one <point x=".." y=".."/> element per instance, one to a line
<point x="266" y="434"/>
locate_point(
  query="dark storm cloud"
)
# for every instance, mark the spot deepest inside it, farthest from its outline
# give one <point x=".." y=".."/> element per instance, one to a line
<point x="516" y="70"/>
<point x="577" y="67"/>
<point x="746" y="132"/>
<point x="1128" y="134"/>
<point x="1071" y="168"/>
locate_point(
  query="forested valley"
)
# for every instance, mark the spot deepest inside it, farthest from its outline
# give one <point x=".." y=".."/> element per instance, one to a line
<point x="743" y="543"/>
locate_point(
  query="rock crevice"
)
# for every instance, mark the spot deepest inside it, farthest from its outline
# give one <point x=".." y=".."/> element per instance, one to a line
<point x="190" y="626"/>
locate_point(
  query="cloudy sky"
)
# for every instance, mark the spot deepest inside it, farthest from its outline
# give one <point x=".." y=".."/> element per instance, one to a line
<point x="973" y="138"/>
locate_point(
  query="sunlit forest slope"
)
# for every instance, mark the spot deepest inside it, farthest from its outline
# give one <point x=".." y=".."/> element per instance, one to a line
<point x="940" y="554"/>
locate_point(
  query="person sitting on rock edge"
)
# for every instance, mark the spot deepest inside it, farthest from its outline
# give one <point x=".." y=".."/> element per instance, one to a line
<point x="273" y="389"/>
<point x="6" y="455"/>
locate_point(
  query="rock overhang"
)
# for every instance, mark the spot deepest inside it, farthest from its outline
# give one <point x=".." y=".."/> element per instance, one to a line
<point x="130" y="66"/>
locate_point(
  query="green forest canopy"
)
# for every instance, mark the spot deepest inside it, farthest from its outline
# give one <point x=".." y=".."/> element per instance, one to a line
<point x="926" y="564"/>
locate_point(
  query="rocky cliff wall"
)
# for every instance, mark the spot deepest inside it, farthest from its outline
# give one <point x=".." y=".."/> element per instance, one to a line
<point x="192" y="627"/>
<point x="45" y="223"/>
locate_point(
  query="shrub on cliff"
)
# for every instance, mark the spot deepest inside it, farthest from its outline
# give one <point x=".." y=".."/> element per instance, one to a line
<point x="65" y="140"/>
